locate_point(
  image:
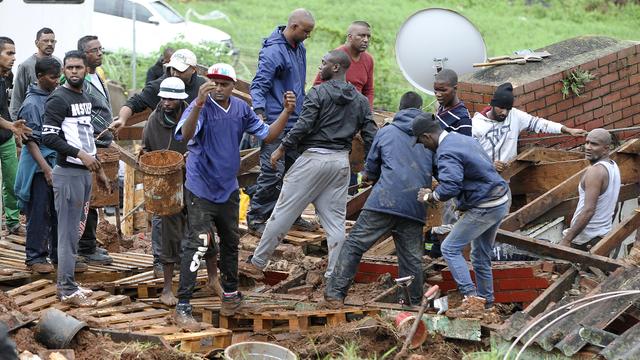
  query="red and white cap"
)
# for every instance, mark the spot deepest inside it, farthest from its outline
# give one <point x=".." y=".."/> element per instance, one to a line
<point x="222" y="71"/>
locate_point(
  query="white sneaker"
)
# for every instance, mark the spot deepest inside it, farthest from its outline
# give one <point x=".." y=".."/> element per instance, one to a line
<point x="78" y="299"/>
<point x="85" y="292"/>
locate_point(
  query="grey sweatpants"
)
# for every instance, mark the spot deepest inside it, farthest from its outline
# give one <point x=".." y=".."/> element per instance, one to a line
<point x="320" y="179"/>
<point x="71" y="191"/>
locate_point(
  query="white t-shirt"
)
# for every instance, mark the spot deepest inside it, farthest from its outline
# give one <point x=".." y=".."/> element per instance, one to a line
<point x="95" y="80"/>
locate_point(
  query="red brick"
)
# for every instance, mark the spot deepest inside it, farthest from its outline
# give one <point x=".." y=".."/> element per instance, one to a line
<point x="591" y="65"/>
<point x="574" y="111"/>
<point x="601" y="91"/>
<point x="635" y="99"/>
<point x="471" y="97"/>
<point x="634" y="59"/>
<point x="583" y="98"/>
<point x="622" y="123"/>
<point x="518" y="272"/>
<point x="463" y="86"/>
<point x="525" y="98"/>
<point x="584" y="117"/>
<point x="636" y="119"/>
<point x="607" y="59"/>
<point x="621" y="104"/>
<point x="535" y="105"/>
<point x="552" y="79"/>
<point x="620" y="84"/>
<point x="565" y="104"/>
<point x="547" y="111"/>
<point x="608" y="78"/>
<point x="634" y="79"/>
<point x="554" y="98"/>
<point x="613" y="117"/>
<point x="633" y="69"/>
<point x="520" y="284"/>
<point x="602" y="111"/>
<point x="595" y="123"/>
<point x="486" y="99"/>
<point x="591" y="85"/>
<point x="632" y="110"/>
<point x="595" y="103"/>
<point x="533" y="86"/>
<point x="559" y="116"/>
<point x="630" y="91"/>
<point x="547" y="90"/>
<point x="624" y="53"/>
<point x="483" y="89"/>
<point x="518" y="90"/>
<point x="624" y="72"/>
<point x="515" y="296"/>
<point x="611" y="98"/>
<point x="557" y="87"/>
<point x="379" y="269"/>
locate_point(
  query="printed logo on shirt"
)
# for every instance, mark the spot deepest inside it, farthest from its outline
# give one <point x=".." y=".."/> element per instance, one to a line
<point x="80" y="109"/>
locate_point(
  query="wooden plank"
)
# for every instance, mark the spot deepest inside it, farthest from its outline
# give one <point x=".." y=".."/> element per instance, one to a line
<point x="617" y="235"/>
<point x="355" y="204"/>
<point x="29" y="287"/>
<point x="129" y="190"/>
<point x="542" y="177"/>
<point x="249" y="161"/>
<point x="546" y="248"/>
<point x="553" y="293"/>
<point x="125" y="155"/>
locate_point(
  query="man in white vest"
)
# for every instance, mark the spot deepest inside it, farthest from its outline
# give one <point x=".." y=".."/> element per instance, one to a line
<point x="598" y="190"/>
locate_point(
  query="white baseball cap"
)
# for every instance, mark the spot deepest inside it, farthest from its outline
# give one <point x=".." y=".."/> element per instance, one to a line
<point x="182" y="59"/>
<point x="222" y="71"/>
<point x="172" y="88"/>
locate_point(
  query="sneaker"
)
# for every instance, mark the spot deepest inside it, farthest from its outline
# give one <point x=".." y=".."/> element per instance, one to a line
<point x="472" y="306"/>
<point x="305" y="225"/>
<point x="18" y="229"/>
<point x="102" y="251"/>
<point x="256" y="228"/>
<point x="80" y="267"/>
<point x="330" y="303"/>
<point x="41" y="268"/>
<point x="250" y="270"/>
<point x="86" y="292"/>
<point x="231" y="304"/>
<point x="489" y="306"/>
<point x="96" y="259"/>
<point x="184" y="318"/>
<point x="78" y="299"/>
<point x="158" y="273"/>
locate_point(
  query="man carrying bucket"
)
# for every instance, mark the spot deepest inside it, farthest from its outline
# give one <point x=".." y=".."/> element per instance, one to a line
<point x="213" y="124"/>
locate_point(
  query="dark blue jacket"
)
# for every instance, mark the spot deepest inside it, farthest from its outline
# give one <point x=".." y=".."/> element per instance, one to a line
<point x="466" y="173"/>
<point x="400" y="167"/>
<point x="281" y="68"/>
<point x="455" y="119"/>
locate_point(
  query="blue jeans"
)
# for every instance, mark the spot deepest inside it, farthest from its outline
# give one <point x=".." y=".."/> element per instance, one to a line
<point x="477" y="226"/>
<point x="42" y="223"/>
<point x="269" y="181"/>
<point x="370" y="226"/>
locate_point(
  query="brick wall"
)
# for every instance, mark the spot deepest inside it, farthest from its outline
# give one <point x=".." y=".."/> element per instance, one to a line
<point x="612" y="100"/>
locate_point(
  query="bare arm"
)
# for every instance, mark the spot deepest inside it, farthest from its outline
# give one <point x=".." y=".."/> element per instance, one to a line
<point x="189" y="127"/>
<point x="574" y="131"/>
<point x="593" y="181"/>
<point x="275" y="129"/>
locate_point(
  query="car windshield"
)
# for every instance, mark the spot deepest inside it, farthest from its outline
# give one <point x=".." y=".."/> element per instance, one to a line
<point x="166" y="12"/>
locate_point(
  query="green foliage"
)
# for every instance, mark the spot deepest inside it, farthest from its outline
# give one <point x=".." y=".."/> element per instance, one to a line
<point x="575" y="81"/>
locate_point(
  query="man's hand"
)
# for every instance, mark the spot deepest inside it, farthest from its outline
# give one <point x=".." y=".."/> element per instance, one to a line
<point x="89" y="161"/>
<point x="48" y="175"/>
<point x="289" y="102"/>
<point x="203" y="91"/>
<point x="365" y="180"/>
<point x="103" y="180"/>
<point x="20" y="129"/>
<point x="499" y="165"/>
<point x="577" y="132"/>
<point x="140" y="153"/>
<point x="425" y="195"/>
<point x="116" y="126"/>
<point x="277" y="155"/>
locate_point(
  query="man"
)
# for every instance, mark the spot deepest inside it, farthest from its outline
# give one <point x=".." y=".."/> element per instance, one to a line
<point x="466" y="173"/>
<point x="158" y="135"/>
<point x="398" y="169"/>
<point x="101" y="118"/>
<point x="598" y="194"/>
<point x="67" y="130"/>
<point x="360" y="72"/>
<point x="498" y="126"/>
<point x="158" y="70"/>
<point x="282" y="66"/>
<point x="34" y="181"/>
<point x="8" y="156"/>
<point x="183" y="66"/>
<point x="333" y="112"/>
<point x="213" y="125"/>
<point x="26" y="75"/>
<point x="452" y="113"/>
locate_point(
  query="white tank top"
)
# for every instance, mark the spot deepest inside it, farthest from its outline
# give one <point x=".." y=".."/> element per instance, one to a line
<point x="601" y="222"/>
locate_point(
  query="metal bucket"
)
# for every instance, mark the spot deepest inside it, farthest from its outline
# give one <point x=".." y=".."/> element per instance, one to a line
<point x="162" y="180"/>
<point x="255" y="350"/>
<point x="100" y="196"/>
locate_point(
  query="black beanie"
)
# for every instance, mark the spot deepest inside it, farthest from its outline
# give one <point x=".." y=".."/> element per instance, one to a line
<point x="503" y="97"/>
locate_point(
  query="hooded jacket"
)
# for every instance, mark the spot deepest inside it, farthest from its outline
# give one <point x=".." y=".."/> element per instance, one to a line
<point x="281" y="68"/>
<point x="333" y="112"/>
<point x="158" y="132"/>
<point x="400" y="168"/>
<point x="148" y="97"/>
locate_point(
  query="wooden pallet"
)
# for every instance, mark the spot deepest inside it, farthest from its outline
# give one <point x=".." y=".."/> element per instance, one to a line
<point x="294" y="321"/>
<point x="146" y="285"/>
<point x="302" y="238"/>
<point x="40" y="295"/>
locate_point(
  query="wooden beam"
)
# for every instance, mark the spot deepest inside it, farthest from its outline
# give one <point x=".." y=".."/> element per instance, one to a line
<point x="126" y="156"/>
<point x="542" y="177"/>
<point x="553" y="293"/>
<point x="617" y="235"/>
<point x="137" y="117"/>
<point x="355" y="204"/>
<point x="129" y="190"/>
<point x="249" y="160"/>
<point x="545" y="248"/>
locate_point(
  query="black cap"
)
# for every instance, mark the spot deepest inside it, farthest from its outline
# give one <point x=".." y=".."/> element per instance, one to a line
<point x="503" y="97"/>
<point x="425" y="122"/>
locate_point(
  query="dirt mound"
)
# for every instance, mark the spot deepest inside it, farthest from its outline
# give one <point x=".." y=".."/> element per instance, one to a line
<point x="7" y="303"/>
<point x="25" y="341"/>
<point x="107" y="233"/>
<point x="141" y="243"/>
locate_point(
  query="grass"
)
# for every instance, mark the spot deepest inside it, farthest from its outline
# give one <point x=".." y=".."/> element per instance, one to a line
<point x="505" y="25"/>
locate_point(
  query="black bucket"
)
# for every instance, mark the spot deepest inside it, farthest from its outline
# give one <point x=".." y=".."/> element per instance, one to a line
<point x="56" y="329"/>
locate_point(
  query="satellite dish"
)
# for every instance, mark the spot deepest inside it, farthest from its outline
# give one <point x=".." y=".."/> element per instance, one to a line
<point x="433" y="39"/>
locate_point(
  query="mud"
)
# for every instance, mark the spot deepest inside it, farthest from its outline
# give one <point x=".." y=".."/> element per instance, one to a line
<point x="25" y="341"/>
<point x="107" y="233"/>
<point x="7" y="303"/>
<point x="140" y="243"/>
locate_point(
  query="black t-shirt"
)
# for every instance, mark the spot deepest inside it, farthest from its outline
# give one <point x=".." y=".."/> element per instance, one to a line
<point x="4" y="109"/>
<point x="67" y="126"/>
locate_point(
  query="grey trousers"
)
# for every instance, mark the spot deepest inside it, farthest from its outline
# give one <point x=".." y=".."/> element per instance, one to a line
<point x="71" y="192"/>
<point x="318" y="179"/>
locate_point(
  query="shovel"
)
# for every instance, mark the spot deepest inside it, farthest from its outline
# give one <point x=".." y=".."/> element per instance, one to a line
<point x="432" y="293"/>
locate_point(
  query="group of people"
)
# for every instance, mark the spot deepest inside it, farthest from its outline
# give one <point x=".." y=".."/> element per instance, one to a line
<point x="305" y="138"/>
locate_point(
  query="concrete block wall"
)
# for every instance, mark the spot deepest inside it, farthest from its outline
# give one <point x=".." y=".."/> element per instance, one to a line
<point x="611" y="100"/>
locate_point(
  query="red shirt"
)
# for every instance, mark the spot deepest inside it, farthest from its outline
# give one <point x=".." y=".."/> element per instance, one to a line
<point x="360" y="74"/>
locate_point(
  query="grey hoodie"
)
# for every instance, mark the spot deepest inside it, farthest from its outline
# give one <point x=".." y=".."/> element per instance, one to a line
<point x="332" y="113"/>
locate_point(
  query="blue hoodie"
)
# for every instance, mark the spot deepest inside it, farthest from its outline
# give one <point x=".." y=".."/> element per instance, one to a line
<point x="281" y="68"/>
<point x="400" y="167"/>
